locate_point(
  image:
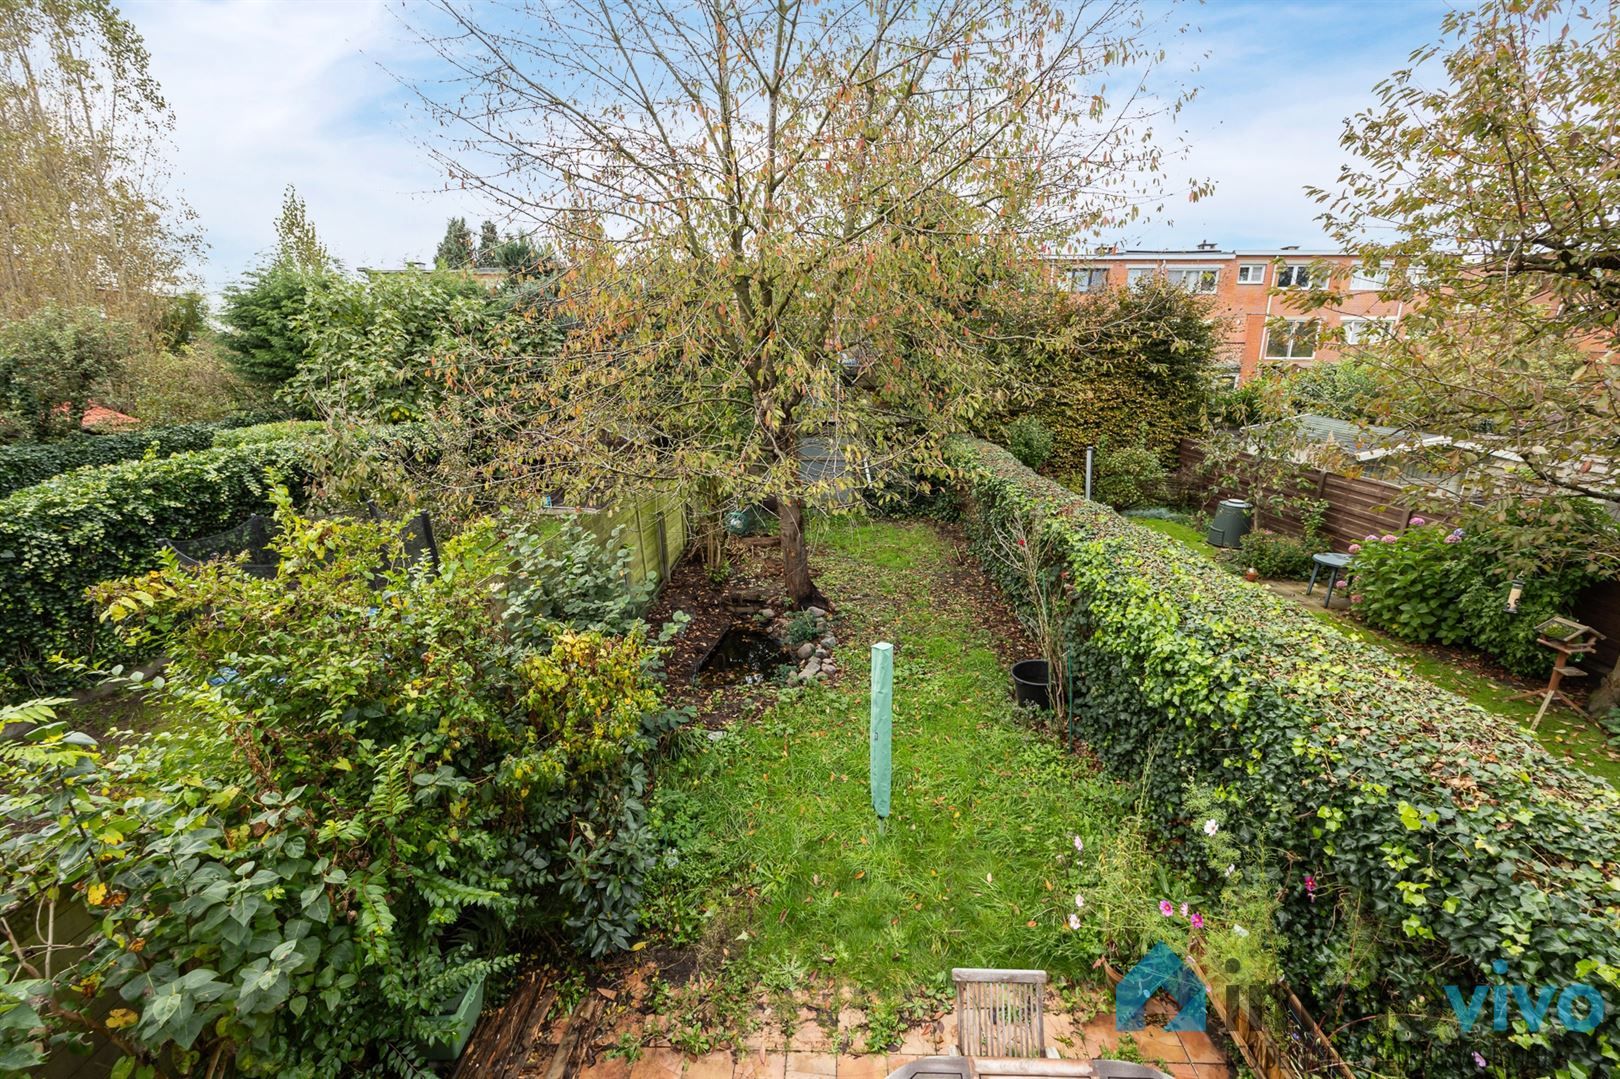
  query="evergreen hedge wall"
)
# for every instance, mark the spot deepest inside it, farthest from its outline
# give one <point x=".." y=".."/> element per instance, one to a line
<point x="1440" y="839"/>
<point x="59" y="537"/>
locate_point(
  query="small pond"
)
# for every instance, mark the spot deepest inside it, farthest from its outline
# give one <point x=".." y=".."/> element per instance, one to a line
<point x="741" y="655"/>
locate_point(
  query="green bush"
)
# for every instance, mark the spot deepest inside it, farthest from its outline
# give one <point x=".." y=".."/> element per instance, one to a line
<point x="569" y="575"/>
<point x="1435" y="583"/>
<point x="362" y="801"/>
<point x="1422" y="839"/>
<point x="265" y="332"/>
<point x="1129" y="366"/>
<point x="59" y="537"/>
<point x="24" y="464"/>
<point x="1126" y="477"/>
<point x="49" y="362"/>
<point x="268" y="432"/>
<point x="1277" y="556"/>
<point x="1029" y="440"/>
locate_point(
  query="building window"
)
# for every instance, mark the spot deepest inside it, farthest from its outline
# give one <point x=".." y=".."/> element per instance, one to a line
<point x="1362" y="331"/>
<point x="1294" y="276"/>
<point x="1197" y="279"/>
<point x="1364" y="280"/>
<point x="1293" y="339"/>
<point x="1088" y="279"/>
<point x="1138" y="274"/>
<point x="1252" y="273"/>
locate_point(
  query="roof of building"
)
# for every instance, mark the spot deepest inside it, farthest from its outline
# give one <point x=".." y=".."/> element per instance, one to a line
<point x="1193" y="253"/>
<point x="1363" y="441"/>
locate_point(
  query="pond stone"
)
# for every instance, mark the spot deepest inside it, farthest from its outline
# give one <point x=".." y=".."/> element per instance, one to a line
<point x="766" y="614"/>
<point x="806" y="650"/>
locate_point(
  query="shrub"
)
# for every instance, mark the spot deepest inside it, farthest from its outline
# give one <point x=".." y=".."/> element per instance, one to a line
<point x="1435" y="583"/>
<point x="1127" y="365"/>
<point x="265" y="334"/>
<point x="268" y="432"/>
<point x="49" y="362"/>
<point x="1126" y="477"/>
<point x="1277" y="556"/>
<point x="359" y="792"/>
<point x="187" y="384"/>
<point x="1420" y="839"/>
<point x="570" y="575"/>
<point x="1029" y="440"/>
<point x="60" y="537"/>
<point x="27" y="463"/>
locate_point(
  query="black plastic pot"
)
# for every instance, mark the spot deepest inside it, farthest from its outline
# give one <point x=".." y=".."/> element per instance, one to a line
<point x="1030" y="683"/>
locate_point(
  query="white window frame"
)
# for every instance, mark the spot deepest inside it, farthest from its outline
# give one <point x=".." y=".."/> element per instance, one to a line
<point x="1291" y="328"/>
<point x="1251" y="273"/>
<point x="1095" y="279"/>
<point x="1206" y="279"/>
<point x="1355" y="337"/>
<point x="1365" y="280"/>
<point x="1139" y="273"/>
<point x="1287" y="276"/>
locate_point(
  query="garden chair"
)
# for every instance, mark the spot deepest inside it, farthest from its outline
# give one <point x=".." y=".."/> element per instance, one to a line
<point x="1000" y="1013"/>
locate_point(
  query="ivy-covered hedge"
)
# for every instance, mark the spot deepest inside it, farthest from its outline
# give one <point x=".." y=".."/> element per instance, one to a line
<point x="1417" y="839"/>
<point x="24" y="464"/>
<point x="60" y="537"/>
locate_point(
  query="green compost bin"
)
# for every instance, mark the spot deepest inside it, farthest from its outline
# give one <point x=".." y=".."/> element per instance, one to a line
<point x="1233" y="518"/>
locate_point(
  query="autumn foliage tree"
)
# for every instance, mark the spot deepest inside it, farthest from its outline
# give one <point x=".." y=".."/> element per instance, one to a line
<point x="84" y="129"/>
<point x="1487" y="197"/>
<point x="768" y="214"/>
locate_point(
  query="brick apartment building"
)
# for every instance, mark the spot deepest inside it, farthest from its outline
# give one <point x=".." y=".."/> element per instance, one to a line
<point x="1265" y="325"/>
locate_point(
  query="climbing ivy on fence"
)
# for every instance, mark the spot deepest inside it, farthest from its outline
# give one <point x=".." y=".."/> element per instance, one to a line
<point x="1422" y="840"/>
<point x="59" y="537"/>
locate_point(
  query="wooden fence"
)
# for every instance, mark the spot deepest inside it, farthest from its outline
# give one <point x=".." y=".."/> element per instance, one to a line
<point x="1358" y="508"/>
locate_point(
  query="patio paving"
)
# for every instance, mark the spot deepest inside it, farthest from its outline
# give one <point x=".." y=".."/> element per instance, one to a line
<point x="811" y="1053"/>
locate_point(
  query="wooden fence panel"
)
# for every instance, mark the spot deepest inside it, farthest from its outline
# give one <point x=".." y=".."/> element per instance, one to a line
<point x="1358" y="508"/>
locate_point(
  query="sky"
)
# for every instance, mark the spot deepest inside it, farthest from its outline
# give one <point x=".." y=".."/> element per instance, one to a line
<point x="267" y="93"/>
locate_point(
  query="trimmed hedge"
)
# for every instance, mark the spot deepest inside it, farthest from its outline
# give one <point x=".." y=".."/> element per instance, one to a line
<point x="24" y="464"/>
<point x="1439" y="839"/>
<point x="60" y="537"/>
<point x="269" y="432"/>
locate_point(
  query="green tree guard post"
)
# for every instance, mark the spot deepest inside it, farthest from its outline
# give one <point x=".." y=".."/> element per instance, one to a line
<point x="882" y="725"/>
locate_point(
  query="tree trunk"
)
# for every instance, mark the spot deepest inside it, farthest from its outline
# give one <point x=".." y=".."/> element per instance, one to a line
<point x="796" y="557"/>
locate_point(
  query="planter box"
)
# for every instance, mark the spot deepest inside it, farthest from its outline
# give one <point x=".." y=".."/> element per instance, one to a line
<point x="463" y="1012"/>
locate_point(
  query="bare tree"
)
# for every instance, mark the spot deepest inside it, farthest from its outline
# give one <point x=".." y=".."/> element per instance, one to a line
<point x="774" y="216"/>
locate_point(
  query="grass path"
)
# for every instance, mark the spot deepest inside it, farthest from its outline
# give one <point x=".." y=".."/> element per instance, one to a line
<point x="778" y="860"/>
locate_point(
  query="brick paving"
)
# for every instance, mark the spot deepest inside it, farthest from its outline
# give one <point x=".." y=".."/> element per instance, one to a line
<point x="811" y="1053"/>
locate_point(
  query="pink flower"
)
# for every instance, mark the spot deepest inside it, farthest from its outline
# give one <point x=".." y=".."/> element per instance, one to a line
<point x="1356" y="597"/>
<point x="1453" y="538"/>
<point x="1419" y="521"/>
<point x="1197" y="920"/>
<point x="1479" y="1060"/>
<point x="1183" y="910"/>
<point x="1372" y="537"/>
<point x="1310" y="887"/>
<point x="1166" y="907"/>
<point x="1355" y="548"/>
<point x="1388" y="538"/>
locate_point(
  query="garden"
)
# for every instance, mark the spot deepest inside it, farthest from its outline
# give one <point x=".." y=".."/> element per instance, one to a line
<point x="478" y="669"/>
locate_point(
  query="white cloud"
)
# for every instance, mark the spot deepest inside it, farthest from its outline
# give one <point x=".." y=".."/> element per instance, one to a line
<point x="266" y="94"/>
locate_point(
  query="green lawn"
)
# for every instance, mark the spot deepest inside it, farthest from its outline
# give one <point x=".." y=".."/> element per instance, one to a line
<point x="1180" y="531"/>
<point x="779" y="861"/>
<point x="1576" y="739"/>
